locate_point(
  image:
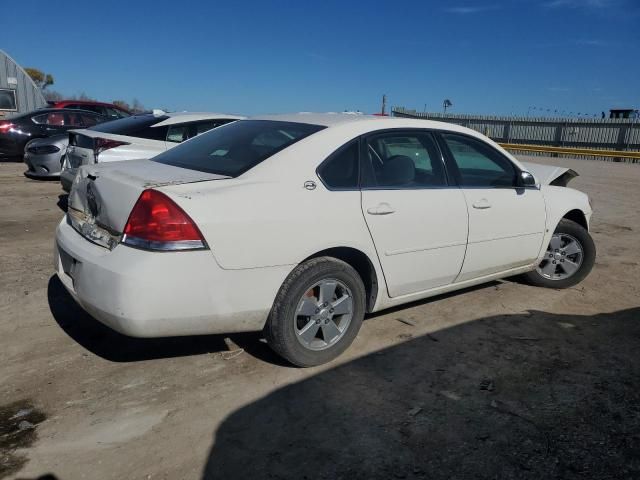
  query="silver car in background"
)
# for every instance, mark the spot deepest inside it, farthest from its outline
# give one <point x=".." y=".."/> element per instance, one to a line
<point x="138" y="137"/>
<point x="44" y="155"/>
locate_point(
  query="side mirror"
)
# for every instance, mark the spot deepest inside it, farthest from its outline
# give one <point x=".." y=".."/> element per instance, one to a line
<point x="527" y="180"/>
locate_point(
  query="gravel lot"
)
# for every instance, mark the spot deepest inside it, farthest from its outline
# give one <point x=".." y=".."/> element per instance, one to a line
<point x="500" y="381"/>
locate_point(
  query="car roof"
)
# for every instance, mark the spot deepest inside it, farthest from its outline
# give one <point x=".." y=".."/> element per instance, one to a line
<point x="87" y="102"/>
<point x="182" y="117"/>
<point x="325" y="119"/>
<point x="56" y="110"/>
<point x="365" y="122"/>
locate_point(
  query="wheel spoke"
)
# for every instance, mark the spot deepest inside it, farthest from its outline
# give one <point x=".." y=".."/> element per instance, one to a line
<point x="327" y="291"/>
<point x="343" y="305"/>
<point x="330" y="331"/>
<point x="549" y="269"/>
<point x="572" y="247"/>
<point x="307" y="307"/>
<point x="309" y="332"/>
<point x="569" y="267"/>
<point x="555" y="242"/>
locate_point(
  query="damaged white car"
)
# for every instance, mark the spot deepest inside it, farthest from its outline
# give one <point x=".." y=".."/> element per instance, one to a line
<point x="299" y="225"/>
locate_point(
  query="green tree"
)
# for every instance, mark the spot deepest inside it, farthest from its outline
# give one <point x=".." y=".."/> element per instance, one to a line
<point x="41" y="79"/>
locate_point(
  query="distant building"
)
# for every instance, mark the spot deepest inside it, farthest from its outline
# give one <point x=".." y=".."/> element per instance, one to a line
<point x="623" y="113"/>
<point x="18" y="93"/>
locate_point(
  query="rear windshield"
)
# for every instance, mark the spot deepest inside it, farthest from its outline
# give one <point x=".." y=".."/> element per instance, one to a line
<point x="134" y="126"/>
<point x="233" y="149"/>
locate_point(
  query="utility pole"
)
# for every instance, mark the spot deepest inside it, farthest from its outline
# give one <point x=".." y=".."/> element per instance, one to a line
<point x="384" y="105"/>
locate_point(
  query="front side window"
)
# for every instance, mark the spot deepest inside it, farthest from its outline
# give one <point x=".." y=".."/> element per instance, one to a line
<point x="237" y="147"/>
<point x="480" y="165"/>
<point x="404" y="160"/>
<point x="340" y="170"/>
<point x="89" y="120"/>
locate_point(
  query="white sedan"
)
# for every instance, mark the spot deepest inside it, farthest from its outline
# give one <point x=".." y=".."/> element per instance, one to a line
<point x="299" y="225"/>
<point x="140" y="136"/>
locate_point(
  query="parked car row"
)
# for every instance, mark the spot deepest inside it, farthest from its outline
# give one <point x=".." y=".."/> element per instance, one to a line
<point x="132" y="138"/>
<point x="299" y="225"/>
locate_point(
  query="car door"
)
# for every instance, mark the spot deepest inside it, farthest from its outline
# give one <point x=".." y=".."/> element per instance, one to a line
<point x="506" y="220"/>
<point x="418" y="222"/>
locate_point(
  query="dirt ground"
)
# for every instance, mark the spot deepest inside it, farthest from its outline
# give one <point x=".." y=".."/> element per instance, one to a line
<point x="497" y="382"/>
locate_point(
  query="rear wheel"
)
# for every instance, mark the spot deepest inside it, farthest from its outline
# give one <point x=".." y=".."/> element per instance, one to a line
<point x="568" y="260"/>
<point x="317" y="312"/>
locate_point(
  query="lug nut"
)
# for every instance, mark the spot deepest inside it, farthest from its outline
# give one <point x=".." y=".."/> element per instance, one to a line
<point x="318" y="322"/>
<point x="554" y="262"/>
<point x="331" y="310"/>
<point x="562" y="260"/>
<point x="551" y="256"/>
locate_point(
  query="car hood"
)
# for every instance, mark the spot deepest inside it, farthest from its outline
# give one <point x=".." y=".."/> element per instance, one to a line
<point x="550" y="174"/>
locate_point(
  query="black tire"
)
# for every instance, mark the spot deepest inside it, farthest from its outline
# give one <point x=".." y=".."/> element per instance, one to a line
<point x="579" y="233"/>
<point x="280" y="329"/>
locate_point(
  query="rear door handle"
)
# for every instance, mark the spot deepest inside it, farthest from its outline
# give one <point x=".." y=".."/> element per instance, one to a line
<point x="482" y="204"/>
<point x="381" y="209"/>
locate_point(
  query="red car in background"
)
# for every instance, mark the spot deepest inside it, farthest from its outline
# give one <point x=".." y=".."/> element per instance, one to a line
<point x="106" y="109"/>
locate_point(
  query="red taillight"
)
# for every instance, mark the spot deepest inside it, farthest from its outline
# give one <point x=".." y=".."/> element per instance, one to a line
<point x="6" y="126"/>
<point x="157" y="223"/>
<point x="102" y="144"/>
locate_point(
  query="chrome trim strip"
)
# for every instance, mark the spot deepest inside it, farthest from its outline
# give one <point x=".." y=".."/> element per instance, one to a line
<point x="181" y="245"/>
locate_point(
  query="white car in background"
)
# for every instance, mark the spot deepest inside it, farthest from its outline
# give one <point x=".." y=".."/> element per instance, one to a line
<point x="133" y="138"/>
<point x="298" y="225"/>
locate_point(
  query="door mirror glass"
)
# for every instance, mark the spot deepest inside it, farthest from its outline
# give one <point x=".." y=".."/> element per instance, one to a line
<point x="527" y="180"/>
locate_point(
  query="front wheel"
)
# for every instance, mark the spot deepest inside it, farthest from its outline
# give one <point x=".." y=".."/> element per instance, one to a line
<point x="568" y="260"/>
<point x="317" y="312"/>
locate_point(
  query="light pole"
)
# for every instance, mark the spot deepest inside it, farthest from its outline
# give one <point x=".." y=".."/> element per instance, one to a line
<point x="446" y="104"/>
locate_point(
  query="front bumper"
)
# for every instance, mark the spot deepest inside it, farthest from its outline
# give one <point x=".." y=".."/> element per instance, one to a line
<point x="157" y="294"/>
<point x="46" y="166"/>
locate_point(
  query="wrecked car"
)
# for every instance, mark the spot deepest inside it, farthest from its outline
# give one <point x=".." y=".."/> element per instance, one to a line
<point x="298" y="225"/>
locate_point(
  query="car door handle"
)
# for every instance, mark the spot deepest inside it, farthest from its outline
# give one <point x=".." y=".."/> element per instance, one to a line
<point x="482" y="204"/>
<point x="381" y="209"/>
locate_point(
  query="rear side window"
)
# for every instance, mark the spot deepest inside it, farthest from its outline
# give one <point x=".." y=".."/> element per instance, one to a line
<point x="479" y="165"/>
<point x="235" y="148"/>
<point x="340" y="170"/>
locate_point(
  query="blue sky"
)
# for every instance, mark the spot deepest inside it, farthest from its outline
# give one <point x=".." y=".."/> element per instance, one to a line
<point x="493" y="57"/>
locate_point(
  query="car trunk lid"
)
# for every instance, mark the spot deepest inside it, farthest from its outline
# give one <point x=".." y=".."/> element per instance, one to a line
<point x="102" y="196"/>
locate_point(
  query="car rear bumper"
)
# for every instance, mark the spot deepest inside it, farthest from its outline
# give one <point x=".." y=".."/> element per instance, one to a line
<point x="156" y="294"/>
<point x="47" y="166"/>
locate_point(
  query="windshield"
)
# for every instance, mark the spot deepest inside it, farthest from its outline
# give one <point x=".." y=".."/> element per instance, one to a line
<point x="233" y="149"/>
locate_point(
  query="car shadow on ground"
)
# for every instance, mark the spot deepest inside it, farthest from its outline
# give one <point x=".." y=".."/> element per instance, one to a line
<point x="63" y="202"/>
<point x="115" y="347"/>
<point x="524" y="396"/>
